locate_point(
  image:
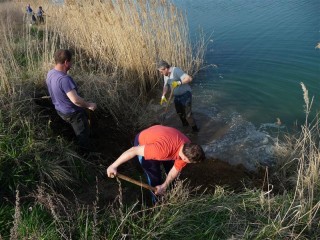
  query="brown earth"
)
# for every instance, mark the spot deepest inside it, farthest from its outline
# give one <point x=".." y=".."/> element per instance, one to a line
<point x="208" y="175"/>
<point x="109" y="143"/>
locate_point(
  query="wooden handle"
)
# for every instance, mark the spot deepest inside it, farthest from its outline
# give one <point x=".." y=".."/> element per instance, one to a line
<point x="119" y="175"/>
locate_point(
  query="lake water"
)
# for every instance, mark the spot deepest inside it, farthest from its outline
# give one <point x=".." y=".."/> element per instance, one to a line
<point x="262" y="50"/>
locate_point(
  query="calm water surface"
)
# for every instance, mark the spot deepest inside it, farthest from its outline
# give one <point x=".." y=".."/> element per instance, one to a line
<point x="262" y="50"/>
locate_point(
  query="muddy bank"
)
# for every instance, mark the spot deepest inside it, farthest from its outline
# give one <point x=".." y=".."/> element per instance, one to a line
<point x="229" y="138"/>
<point x="109" y="142"/>
<point x="208" y="175"/>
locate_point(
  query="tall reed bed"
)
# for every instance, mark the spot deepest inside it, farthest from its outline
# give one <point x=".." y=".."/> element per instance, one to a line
<point x="303" y="216"/>
<point x="297" y="178"/>
<point x="128" y="37"/>
<point x="10" y="20"/>
<point x="117" y="45"/>
<point x="25" y="50"/>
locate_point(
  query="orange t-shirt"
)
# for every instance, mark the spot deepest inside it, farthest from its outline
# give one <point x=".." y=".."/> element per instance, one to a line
<point x="163" y="143"/>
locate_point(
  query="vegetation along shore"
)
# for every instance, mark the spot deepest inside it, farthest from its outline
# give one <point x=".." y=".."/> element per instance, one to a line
<point x="50" y="189"/>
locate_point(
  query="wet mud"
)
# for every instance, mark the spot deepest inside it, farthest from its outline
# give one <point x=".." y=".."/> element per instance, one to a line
<point x="212" y="172"/>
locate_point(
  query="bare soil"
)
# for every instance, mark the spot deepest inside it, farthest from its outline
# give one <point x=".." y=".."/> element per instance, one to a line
<point x="109" y="142"/>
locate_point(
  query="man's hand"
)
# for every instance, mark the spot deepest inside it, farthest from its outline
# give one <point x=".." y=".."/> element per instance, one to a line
<point x="79" y="101"/>
<point x="163" y="99"/>
<point x="160" y="190"/>
<point x="175" y="84"/>
<point x="92" y="106"/>
<point x="173" y="174"/>
<point x="111" y="171"/>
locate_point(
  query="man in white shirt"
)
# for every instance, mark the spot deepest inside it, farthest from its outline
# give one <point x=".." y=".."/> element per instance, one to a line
<point x="178" y="81"/>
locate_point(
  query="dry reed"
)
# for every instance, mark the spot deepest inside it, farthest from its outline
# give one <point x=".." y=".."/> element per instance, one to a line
<point x="127" y="36"/>
<point x="303" y="167"/>
<point x="14" y="233"/>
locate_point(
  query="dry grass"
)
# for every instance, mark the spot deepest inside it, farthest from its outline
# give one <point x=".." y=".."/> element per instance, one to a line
<point x="128" y="37"/>
<point x="10" y="20"/>
<point x="301" y="171"/>
<point x="16" y="219"/>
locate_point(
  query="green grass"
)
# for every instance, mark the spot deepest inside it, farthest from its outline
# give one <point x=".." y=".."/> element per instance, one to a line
<point x="42" y="165"/>
<point x="35" y="222"/>
<point x="28" y="157"/>
<point x="6" y="213"/>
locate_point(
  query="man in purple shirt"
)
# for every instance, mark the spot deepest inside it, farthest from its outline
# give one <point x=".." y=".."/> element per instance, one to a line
<point x="68" y="104"/>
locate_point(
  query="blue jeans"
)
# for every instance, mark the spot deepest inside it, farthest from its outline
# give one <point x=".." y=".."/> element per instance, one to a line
<point x="183" y="107"/>
<point x="80" y="125"/>
<point x="152" y="168"/>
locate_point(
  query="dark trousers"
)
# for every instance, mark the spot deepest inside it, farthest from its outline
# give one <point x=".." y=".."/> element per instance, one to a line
<point x="152" y="168"/>
<point x="183" y="107"/>
<point x="40" y="19"/>
<point x="80" y="125"/>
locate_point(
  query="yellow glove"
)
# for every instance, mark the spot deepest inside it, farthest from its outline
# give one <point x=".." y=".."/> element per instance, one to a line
<point x="163" y="99"/>
<point x="175" y="84"/>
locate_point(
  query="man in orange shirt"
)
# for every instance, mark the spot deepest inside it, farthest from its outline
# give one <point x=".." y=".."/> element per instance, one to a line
<point x="160" y="145"/>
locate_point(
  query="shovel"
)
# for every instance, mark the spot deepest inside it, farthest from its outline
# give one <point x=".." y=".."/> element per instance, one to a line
<point x="163" y="117"/>
<point x="126" y="178"/>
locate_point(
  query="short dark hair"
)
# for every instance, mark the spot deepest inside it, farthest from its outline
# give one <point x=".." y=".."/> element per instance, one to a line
<point x="163" y="64"/>
<point x="62" y="55"/>
<point x="193" y="152"/>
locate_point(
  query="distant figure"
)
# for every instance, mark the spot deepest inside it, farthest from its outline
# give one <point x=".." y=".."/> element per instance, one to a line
<point x="64" y="95"/>
<point x="30" y="15"/>
<point x="34" y="20"/>
<point x="29" y="9"/>
<point x="178" y="81"/>
<point x="40" y="15"/>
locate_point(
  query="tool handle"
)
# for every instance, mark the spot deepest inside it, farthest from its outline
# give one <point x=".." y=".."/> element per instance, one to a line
<point x="119" y="175"/>
<point x="166" y="109"/>
<point x="168" y="103"/>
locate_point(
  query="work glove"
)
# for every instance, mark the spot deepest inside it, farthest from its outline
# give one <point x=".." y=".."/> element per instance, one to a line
<point x="163" y="99"/>
<point x="175" y="84"/>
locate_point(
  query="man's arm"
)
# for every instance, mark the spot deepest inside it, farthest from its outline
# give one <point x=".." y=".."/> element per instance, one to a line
<point x="181" y="75"/>
<point x="79" y="101"/>
<point x="173" y="174"/>
<point x="124" y="157"/>
<point x="186" y="79"/>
